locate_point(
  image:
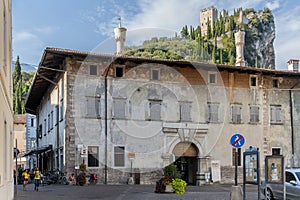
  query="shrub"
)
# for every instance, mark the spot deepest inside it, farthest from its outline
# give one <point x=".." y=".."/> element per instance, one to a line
<point x="171" y="170"/>
<point x="179" y="186"/>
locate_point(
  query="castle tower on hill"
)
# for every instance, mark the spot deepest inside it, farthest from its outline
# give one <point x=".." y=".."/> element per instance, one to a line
<point x="207" y="15"/>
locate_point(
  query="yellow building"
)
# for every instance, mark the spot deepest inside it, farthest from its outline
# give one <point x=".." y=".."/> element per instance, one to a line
<point x="6" y="117"/>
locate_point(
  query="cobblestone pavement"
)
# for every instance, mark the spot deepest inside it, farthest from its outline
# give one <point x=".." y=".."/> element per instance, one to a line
<point x="124" y="192"/>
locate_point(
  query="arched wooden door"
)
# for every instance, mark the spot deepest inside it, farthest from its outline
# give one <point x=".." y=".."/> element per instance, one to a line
<point x="186" y="161"/>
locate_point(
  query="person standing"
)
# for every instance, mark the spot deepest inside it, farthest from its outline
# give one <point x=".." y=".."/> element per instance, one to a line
<point x="25" y="176"/>
<point x="37" y="179"/>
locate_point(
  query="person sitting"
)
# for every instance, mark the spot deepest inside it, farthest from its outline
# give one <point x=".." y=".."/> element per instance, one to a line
<point x="72" y="179"/>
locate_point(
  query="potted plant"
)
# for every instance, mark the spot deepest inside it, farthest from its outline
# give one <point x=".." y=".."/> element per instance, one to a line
<point x="165" y="183"/>
<point x="179" y="186"/>
<point x="81" y="178"/>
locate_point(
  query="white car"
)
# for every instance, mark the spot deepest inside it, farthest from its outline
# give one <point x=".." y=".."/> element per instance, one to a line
<point x="292" y="183"/>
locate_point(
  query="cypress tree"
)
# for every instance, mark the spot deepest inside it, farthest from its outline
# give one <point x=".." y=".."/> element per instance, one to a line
<point x="18" y="107"/>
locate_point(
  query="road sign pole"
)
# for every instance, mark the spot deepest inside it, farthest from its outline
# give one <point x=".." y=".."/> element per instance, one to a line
<point x="236" y="167"/>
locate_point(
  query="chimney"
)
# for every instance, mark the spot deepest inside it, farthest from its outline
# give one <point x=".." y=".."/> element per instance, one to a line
<point x="120" y="37"/>
<point x="293" y="65"/>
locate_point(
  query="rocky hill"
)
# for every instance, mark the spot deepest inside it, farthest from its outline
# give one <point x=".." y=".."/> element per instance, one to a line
<point x="218" y="46"/>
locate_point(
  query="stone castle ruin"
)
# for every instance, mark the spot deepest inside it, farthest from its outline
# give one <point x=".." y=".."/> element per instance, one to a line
<point x="259" y="29"/>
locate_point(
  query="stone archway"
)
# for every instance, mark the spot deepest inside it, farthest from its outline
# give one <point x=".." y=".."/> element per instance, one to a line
<point x="186" y="154"/>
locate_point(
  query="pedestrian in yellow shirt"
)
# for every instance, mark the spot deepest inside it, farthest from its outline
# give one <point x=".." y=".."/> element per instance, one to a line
<point x="37" y="179"/>
<point x="25" y="176"/>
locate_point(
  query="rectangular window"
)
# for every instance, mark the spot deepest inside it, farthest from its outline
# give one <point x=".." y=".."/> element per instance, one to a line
<point x="93" y="106"/>
<point x="275" y="114"/>
<point x="119" y="72"/>
<point x="93" y="70"/>
<point x="61" y="109"/>
<point x="276" y="151"/>
<point x="155" y="110"/>
<point x="57" y="114"/>
<point x="254" y="114"/>
<point x="32" y="122"/>
<point x="253" y="81"/>
<point x="119" y="156"/>
<point x="239" y="158"/>
<point x="155" y="74"/>
<point x="236" y="111"/>
<point x="40" y="131"/>
<point x="119" y="108"/>
<point x="185" y="111"/>
<point x="212" y="78"/>
<point x="275" y="83"/>
<point x="213" y="112"/>
<point x="49" y="122"/>
<point x="93" y="156"/>
<point x="45" y="126"/>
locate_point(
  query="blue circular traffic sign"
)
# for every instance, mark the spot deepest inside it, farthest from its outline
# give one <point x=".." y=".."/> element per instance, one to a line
<point x="237" y="140"/>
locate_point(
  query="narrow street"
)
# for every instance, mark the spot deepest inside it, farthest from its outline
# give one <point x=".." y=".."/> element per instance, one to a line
<point x="132" y="192"/>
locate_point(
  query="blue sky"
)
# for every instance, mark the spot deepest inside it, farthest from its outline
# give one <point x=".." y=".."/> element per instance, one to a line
<point x="86" y="25"/>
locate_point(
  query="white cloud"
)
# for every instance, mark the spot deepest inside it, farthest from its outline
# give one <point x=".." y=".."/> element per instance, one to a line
<point x="273" y="5"/>
<point x="287" y="36"/>
<point x="27" y="45"/>
<point x="46" y="29"/>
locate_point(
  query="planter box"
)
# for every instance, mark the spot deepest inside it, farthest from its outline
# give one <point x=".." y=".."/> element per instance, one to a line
<point x="169" y="188"/>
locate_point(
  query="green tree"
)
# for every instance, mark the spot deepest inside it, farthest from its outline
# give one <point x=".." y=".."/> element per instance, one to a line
<point x="18" y="106"/>
<point x="184" y="32"/>
<point x="208" y="30"/>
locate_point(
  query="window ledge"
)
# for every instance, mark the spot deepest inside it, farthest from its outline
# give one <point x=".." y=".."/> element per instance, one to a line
<point x="236" y="123"/>
<point x="276" y="123"/>
<point x="254" y="123"/>
<point x="92" y="117"/>
<point x="214" y="122"/>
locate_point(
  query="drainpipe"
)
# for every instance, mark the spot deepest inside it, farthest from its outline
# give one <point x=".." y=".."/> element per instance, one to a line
<point x="105" y="126"/>
<point x="57" y="128"/>
<point x="292" y="119"/>
<point x="105" y="121"/>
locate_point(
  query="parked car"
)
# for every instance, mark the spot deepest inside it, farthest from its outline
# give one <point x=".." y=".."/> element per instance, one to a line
<point x="292" y="183"/>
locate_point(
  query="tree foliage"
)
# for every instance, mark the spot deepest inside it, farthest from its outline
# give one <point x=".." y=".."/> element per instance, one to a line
<point x="21" y="85"/>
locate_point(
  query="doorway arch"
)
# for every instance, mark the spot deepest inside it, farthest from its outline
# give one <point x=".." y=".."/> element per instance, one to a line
<point x="186" y="161"/>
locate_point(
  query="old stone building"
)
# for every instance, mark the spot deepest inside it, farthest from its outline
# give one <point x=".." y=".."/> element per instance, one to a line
<point x="116" y="112"/>
<point x="6" y="116"/>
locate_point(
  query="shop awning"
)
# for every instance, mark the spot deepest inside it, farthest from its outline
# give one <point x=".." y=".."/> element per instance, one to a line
<point x="39" y="150"/>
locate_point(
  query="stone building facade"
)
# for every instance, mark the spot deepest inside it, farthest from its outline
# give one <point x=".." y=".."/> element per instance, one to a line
<point x="123" y="115"/>
<point x="30" y="140"/>
<point x="6" y="116"/>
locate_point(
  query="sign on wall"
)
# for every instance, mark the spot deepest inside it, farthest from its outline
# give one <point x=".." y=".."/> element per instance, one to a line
<point x="215" y="171"/>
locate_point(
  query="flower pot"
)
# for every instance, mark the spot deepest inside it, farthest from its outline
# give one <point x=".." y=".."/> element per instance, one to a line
<point x="169" y="188"/>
